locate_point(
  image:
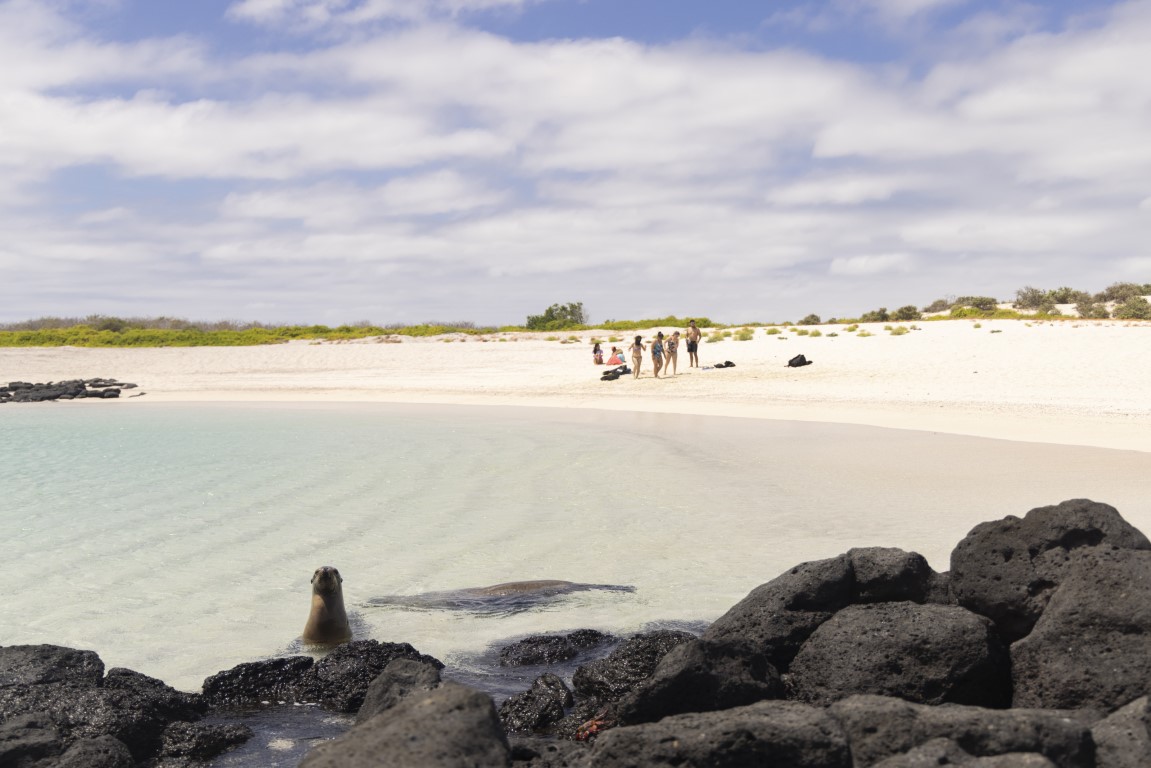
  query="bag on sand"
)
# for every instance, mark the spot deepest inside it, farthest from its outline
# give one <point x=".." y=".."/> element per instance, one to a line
<point x="798" y="362"/>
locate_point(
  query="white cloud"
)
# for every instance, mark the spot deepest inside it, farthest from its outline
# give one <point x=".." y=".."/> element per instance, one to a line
<point x="319" y="13"/>
<point x="870" y="264"/>
<point x="545" y="163"/>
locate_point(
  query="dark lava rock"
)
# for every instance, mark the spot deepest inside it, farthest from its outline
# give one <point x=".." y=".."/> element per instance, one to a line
<point x="543" y="705"/>
<point x="610" y="678"/>
<point x="779" y="616"/>
<point x="26" y="392"/>
<point x="929" y="654"/>
<point x="550" y="649"/>
<point x="1008" y="569"/>
<point x="939" y="752"/>
<point x="528" y="752"/>
<point x="338" y="682"/>
<point x="701" y="676"/>
<point x="99" y="752"/>
<point x="254" y="682"/>
<point x="449" y="726"/>
<point x="68" y="687"/>
<point x="768" y="733"/>
<point x="879" y="728"/>
<point x="1092" y="646"/>
<point x="399" y="678"/>
<point x="26" y="738"/>
<point x="1123" y="740"/>
<point x="202" y="741"/>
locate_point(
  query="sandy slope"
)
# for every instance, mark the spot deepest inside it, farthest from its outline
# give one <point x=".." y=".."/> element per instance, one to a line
<point x="1081" y="383"/>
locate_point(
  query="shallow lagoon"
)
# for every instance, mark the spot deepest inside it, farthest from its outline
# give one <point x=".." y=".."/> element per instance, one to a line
<point x="178" y="540"/>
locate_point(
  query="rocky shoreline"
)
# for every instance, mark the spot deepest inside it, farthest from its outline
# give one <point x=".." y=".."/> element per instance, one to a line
<point x="73" y="389"/>
<point x="1032" y="651"/>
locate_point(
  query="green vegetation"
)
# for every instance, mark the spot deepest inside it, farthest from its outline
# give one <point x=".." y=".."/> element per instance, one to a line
<point x="862" y="334"/>
<point x="559" y="317"/>
<point x="816" y="332"/>
<point x="714" y="336"/>
<point x="899" y="330"/>
<point x="744" y="334"/>
<point x="1125" y="300"/>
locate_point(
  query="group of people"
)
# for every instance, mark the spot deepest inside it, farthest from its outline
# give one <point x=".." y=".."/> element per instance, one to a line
<point x="664" y="351"/>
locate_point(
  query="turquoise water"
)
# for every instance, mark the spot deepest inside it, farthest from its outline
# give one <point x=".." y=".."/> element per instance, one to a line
<point x="179" y="539"/>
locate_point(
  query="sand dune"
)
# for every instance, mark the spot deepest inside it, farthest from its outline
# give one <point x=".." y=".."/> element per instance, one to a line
<point x="1070" y="382"/>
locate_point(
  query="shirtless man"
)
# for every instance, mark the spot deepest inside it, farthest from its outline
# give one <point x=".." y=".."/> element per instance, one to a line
<point x="693" y="335"/>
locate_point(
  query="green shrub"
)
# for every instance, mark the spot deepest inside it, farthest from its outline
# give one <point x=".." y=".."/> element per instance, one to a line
<point x="810" y="320"/>
<point x="878" y="316"/>
<point x="816" y="332"/>
<point x="1121" y="293"/>
<point x="851" y="328"/>
<point x="862" y="334"/>
<point x="909" y="312"/>
<point x="1092" y="310"/>
<point x="802" y="332"/>
<point x="985" y="303"/>
<point x="1134" y="308"/>
<point x="773" y="331"/>
<point x="744" y="335"/>
<point x="558" y="317"/>
<point x="939" y="305"/>
<point x="715" y="336"/>
<point x="899" y="330"/>
<point x="832" y="335"/>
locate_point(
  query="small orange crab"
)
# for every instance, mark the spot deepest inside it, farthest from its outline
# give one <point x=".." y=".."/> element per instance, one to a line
<point x="601" y="722"/>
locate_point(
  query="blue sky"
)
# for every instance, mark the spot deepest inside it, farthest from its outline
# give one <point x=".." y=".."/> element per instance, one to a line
<point x="335" y="161"/>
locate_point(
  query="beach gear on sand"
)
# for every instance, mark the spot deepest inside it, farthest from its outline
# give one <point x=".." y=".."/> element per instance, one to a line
<point x="798" y="362"/>
<point x="615" y="360"/>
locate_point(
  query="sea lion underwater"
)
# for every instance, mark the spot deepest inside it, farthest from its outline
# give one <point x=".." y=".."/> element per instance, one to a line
<point x="509" y="597"/>
<point x="328" y="621"/>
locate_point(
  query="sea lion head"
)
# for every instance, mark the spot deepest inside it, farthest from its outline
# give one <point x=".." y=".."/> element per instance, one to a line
<point x="326" y="580"/>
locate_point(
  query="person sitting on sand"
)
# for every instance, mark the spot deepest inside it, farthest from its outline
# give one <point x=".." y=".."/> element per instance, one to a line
<point x="597" y="354"/>
<point x="693" y="335"/>
<point x="637" y="350"/>
<point x="616" y="356"/>
<point x="657" y="353"/>
<point x="671" y="352"/>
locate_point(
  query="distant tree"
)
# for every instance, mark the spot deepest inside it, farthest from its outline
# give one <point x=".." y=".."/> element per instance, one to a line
<point x="810" y="320"/>
<point x="1030" y="298"/>
<point x="878" y="316"/>
<point x="1048" y="308"/>
<point x="558" y="317"/>
<point x="1135" y="308"/>
<point x="1092" y="310"/>
<point x="982" y="303"/>
<point x="939" y="305"/>
<point x="1066" y="295"/>
<point x="1120" y="292"/>
<point x="909" y="312"/>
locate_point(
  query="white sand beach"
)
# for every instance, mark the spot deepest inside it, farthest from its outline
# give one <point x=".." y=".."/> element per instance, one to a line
<point x="1067" y="382"/>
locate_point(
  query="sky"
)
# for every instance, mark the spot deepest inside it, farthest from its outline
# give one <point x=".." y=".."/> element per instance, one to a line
<point x="409" y="161"/>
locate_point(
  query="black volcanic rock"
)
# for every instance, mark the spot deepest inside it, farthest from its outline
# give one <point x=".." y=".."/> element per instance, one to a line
<point x="67" y="686"/>
<point x="1092" y="646"/>
<point x="929" y="654"/>
<point x="769" y="733"/>
<point x="879" y="727"/>
<point x="449" y="726"/>
<point x="701" y="676"/>
<point x="779" y="616"/>
<point x="534" y="710"/>
<point x="1008" y="569"/>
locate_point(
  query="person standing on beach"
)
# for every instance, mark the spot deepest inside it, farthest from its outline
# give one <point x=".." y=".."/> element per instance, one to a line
<point x="657" y="353"/>
<point x="637" y="350"/>
<point x="671" y="351"/>
<point x="693" y="335"/>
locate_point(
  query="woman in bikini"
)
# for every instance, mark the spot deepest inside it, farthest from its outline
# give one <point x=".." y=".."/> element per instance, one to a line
<point x="657" y="353"/>
<point x="637" y="350"/>
<point x="671" y="351"/>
